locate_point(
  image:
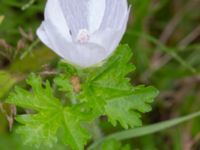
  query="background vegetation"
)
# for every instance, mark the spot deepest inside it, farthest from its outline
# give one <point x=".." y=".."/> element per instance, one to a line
<point x="164" y="36"/>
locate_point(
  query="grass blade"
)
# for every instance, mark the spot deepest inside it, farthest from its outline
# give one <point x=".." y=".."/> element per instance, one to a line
<point x="138" y="132"/>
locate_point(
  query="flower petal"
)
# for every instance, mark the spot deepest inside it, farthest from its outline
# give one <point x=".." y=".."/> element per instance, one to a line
<point x="109" y="38"/>
<point x="54" y="14"/>
<point x="96" y="14"/>
<point x="115" y="12"/>
<point x="114" y="43"/>
<point x="43" y="37"/>
<point x="83" y="55"/>
<point x="75" y="12"/>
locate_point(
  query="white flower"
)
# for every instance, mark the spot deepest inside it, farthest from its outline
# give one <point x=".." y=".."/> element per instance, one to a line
<point x="84" y="32"/>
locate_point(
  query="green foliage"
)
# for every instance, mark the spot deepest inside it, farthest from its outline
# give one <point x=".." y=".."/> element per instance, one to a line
<point x="108" y="91"/>
<point x="127" y="109"/>
<point x="43" y="124"/>
<point x="42" y="127"/>
<point x="104" y="90"/>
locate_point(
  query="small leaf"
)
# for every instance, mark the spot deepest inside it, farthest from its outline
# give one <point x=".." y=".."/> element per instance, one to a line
<point x="127" y="109"/>
<point x="51" y="115"/>
<point x="40" y="99"/>
<point x="108" y="91"/>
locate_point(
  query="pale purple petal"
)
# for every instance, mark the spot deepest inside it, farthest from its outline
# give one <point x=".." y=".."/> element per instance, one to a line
<point x="43" y="36"/>
<point x="54" y="15"/>
<point x="75" y="12"/>
<point x="116" y="41"/>
<point x="85" y="55"/>
<point x="96" y="14"/>
<point x="114" y="14"/>
<point x="110" y="38"/>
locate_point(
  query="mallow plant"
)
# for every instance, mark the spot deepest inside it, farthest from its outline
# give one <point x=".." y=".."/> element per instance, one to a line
<point x="92" y="80"/>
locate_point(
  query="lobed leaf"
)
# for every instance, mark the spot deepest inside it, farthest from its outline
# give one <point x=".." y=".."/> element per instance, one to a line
<point x="51" y="116"/>
<point x="108" y="91"/>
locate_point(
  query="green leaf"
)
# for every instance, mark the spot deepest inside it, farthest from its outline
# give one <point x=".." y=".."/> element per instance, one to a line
<point x="108" y="91"/>
<point x="40" y="99"/>
<point x="121" y="108"/>
<point x="42" y="127"/>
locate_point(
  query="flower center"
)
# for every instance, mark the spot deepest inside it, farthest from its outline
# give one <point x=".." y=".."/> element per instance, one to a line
<point x="83" y="36"/>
